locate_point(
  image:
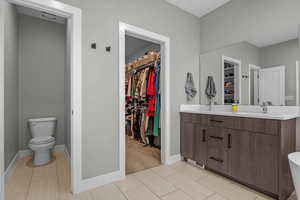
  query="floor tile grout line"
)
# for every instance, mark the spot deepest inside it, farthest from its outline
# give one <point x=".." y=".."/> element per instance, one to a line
<point x="30" y="182"/>
<point x="120" y="191"/>
<point x="153" y="191"/>
<point x="57" y="177"/>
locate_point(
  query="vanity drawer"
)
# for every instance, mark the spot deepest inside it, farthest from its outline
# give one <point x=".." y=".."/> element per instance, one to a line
<point x="195" y="118"/>
<point x="265" y="126"/>
<point x="224" y="122"/>
<point x="217" y="149"/>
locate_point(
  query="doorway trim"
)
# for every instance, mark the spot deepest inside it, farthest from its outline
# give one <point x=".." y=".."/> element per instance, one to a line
<point x="297" y="83"/>
<point x="73" y="15"/>
<point x="239" y="64"/>
<point x="126" y="29"/>
<point x="251" y="66"/>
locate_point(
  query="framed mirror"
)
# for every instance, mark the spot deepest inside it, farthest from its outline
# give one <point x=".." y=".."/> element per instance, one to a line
<point x="246" y="73"/>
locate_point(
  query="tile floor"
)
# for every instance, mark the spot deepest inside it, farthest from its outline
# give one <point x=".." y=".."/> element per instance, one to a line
<point x="180" y="181"/>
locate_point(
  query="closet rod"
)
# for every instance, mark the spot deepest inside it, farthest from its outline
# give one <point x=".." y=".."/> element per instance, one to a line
<point x="141" y="67"/>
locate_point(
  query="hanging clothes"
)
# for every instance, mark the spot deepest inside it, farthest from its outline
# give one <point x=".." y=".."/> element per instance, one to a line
<point x="128" y="93"/>
<point x="151" y="93"/>
<point x="143" y="104"/>
<point x="140" y="77"/>
<point x="157" y="100"/>
<point x="143" y="127"/>
<point x="143" y="91"/>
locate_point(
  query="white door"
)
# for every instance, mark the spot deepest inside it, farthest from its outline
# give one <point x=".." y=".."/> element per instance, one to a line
<point x="272" y="85"/>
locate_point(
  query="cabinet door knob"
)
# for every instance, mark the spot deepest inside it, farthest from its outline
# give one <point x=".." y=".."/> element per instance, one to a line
<point x="216" y="137"/>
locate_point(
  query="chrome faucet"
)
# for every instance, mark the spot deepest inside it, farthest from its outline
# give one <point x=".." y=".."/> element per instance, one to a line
<point x="264" y="107"/>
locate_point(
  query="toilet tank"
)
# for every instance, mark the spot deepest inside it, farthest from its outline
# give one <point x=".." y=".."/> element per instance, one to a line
<point x="42" y="127"/>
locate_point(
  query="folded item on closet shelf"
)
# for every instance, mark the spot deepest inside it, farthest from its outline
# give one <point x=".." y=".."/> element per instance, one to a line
<point x="146" y="59"/>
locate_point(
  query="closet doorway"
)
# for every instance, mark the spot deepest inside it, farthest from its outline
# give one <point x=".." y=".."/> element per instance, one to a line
<point x="142" y="111"/>
<point x="144" y="128"/>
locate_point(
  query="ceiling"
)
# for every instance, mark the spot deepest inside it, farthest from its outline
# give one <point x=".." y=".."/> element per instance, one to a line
<point x="198" y="8"/>
<point x="40" y="14"/>
<point x="133" y="45"/>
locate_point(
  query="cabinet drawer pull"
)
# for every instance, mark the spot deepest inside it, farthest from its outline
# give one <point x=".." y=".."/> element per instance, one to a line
<point x="203" y="135"/>
<point x="216" y="137"/>
<point x="215" y="159"/>
<point x="217" y="121"/>
<point x="229" y="141"/>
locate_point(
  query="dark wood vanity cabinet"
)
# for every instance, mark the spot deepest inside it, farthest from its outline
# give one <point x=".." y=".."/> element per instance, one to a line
<point x="250" y="151"/>
<point x="200" y="144"/>
<point x="217" y="154"/>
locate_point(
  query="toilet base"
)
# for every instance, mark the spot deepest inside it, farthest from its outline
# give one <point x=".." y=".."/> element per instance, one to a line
<point x="41" y="157"/>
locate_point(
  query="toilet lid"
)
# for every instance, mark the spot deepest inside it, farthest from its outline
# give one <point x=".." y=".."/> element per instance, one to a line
<point x="42" y="140"/>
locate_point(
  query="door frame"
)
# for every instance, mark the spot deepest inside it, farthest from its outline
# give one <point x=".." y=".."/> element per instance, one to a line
<point x="297" y="82"/>
<point x="251" y="66"/>
<point x="239" y="63"/>
<point x="74" y="17"/>
<point x="126" y="29"/>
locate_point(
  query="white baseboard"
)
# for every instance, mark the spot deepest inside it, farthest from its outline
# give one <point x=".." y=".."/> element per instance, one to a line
<point x="11" y="166"/>
<point x="59" y="148"/>
<point x="28" y="152"/>
<point x="88" y="184"/>
<point x="67" y="154"/>
<point x="24" y="153"/>
<point x="173" y="159"/>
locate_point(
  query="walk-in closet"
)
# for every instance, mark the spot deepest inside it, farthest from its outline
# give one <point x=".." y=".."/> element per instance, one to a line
<point x="143" y="105"/>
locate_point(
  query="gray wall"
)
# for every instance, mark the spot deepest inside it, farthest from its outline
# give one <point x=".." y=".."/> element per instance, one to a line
<point x="42" y="63"/>
<point x="286" y="53"/>
<point x="243" y="20"/>
<point x="11" y="83"/>
<point x="100" y="71"/>
<point x="211" y="65"/>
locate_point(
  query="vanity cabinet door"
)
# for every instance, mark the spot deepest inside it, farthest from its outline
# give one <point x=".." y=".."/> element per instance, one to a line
<point x="217" y="149"/>
<point x="239" y="155"/>
<point x="265" y="162"/>
<point x="200" y="144"/>
<point x="187" y="139"/>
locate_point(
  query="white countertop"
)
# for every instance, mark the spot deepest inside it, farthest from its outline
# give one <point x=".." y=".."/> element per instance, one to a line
<point x="274" y="112"/>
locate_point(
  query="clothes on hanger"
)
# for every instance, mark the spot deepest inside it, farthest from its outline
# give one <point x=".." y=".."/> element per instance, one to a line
<point x="157" y="100"/>
<point x="143" y="104"/>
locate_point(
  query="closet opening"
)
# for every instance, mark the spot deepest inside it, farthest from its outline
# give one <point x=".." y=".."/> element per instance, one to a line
<point x="142" y="104"/>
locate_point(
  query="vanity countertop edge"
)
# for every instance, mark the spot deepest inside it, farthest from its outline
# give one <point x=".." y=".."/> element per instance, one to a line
<point x="276" y="113"/>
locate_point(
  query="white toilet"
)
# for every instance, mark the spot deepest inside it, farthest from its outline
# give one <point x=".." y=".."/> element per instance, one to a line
<point x="42" y="131"/>
<point x="294" y="160"/>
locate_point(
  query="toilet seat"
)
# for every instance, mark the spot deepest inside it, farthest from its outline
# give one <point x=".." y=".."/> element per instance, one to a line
<point x="294" y="160"/>
<point x="42" y="140"/>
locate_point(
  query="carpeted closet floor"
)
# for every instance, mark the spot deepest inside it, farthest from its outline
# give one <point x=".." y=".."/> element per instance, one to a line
<point x="139" y="158"/>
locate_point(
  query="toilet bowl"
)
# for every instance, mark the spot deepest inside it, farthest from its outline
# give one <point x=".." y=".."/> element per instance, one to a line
<point x="294" y="160"/>
<point x="42" y="131"/>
